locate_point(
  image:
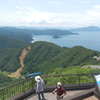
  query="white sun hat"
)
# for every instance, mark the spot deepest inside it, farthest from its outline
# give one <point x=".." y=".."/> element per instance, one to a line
<point x="37" y="78"/>
<point x="59" y="83"/>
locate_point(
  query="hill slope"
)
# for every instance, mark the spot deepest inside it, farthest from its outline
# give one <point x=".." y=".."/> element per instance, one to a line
<point x="40" y="53"/>
<point x="44" y="56"/>
<point x="15" y="33"/>
<point x="6" y="42"/>
<point x="10" y="50"/>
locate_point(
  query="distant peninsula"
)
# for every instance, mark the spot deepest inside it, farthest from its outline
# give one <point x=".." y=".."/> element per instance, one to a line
<point x="53" y="32"/>
<point x="26" y="34"/>
<point x="90" y="28"/>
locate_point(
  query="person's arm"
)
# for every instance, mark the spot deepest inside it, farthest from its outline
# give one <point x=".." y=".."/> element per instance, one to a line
<point x="54" y="91"/>
<point x="64" y="93"/>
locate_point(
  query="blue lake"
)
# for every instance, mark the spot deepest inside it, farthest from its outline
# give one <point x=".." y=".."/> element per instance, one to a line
<point x="89" y="40"/>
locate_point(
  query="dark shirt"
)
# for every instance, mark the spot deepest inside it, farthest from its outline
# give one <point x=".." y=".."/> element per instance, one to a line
<point x="60" y="91"/>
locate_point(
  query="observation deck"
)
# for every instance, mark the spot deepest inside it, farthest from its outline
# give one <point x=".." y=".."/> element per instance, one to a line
<point x="50" y="96"/>
<point x="77" y="86"/>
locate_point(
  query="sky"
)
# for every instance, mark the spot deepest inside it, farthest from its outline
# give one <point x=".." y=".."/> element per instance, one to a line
<point x="50" y="13"/>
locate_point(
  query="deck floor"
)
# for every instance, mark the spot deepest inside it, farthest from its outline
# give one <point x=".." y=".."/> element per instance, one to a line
<point x="50" y="96"/>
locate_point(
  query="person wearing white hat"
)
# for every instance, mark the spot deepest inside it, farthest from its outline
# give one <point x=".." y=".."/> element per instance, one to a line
<point x="40" y="87"/>
<point x="60" y="91"/>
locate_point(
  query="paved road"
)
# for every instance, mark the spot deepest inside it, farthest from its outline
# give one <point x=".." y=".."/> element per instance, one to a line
<point x="95" y="66"/>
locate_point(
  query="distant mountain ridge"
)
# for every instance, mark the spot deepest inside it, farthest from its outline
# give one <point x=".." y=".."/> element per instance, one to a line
<point x="90" y="28"/>
<point x="26" y="34"/>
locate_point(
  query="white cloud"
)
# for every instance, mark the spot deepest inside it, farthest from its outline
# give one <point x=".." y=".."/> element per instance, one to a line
<point x="37" y="17"/>
<point x="54" y="13"/>
<point x="94" y="13"/>
<point x="19" y="8"/>
<point x="98" y="6"/>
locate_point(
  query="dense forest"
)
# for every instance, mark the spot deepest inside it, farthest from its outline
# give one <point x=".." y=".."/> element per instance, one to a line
<point x="45" y="56"/>
<point x="6" y="42"/>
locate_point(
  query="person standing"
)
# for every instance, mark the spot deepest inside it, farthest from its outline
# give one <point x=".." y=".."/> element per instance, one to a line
<point x="40" y="87"/>
<point x="60" y="91"/>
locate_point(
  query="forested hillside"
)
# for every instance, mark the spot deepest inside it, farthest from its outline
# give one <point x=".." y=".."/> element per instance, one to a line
<point x="6" y="42"/>
<point x="9" y="59"/>
<point x="5" y="80"/>
<point x="40" y="53"/>
<point x="72" y="70"/>
<point x="45" y="56"/>
<point x="10" y="50"/>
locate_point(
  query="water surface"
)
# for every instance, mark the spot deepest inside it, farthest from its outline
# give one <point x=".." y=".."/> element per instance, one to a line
<point x="90" y="40"/>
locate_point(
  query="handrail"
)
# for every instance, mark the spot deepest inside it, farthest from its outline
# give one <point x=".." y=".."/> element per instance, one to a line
<point x="29" y="84"/>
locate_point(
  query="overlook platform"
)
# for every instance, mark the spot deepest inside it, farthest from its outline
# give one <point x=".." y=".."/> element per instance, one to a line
<point x="78" y="87"/>
<point x="71" y="93"/>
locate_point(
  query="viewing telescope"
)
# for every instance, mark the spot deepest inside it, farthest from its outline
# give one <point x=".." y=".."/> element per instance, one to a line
<point x="34" y="74"/>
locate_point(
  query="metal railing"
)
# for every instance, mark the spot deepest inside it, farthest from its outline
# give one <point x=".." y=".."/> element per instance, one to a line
<point x="23" y="87"/>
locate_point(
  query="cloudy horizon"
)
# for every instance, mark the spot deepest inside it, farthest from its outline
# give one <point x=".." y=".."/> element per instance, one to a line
<point x="53" y="13"/>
